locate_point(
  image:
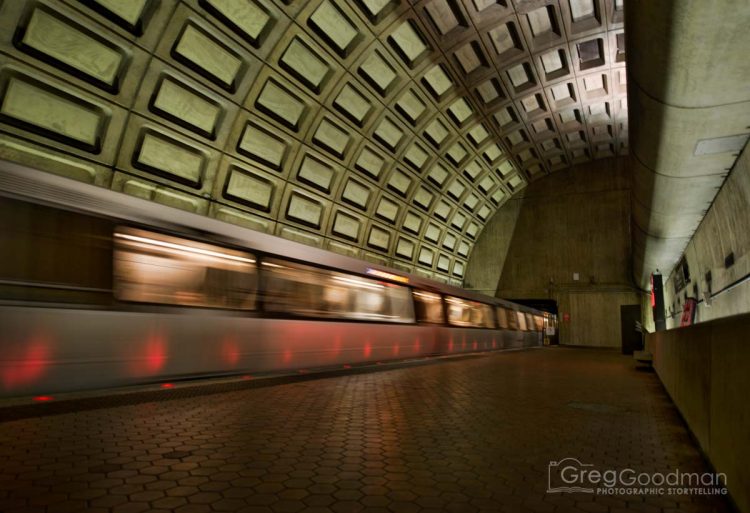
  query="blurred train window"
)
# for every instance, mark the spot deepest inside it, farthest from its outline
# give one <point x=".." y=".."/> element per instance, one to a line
<point x="308" y="291"/>
<point x="539" y="322"/>
<point x="529" y="322"/>
<point x="521" y="321"/>
<point x="512" y="316"/>
<point x="428" y="306"/>
<point x="462" y="312"/>
<point x="54" y="255"/>
<point x="502" y="317"/>
<point x="155" y="268"/>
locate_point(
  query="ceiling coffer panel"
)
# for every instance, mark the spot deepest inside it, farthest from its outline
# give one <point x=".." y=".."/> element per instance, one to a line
<point x="385" y="130"/>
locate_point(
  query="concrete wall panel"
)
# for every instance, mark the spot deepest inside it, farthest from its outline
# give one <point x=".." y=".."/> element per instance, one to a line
<point x="730" y="419"/>
<point x="594" y="316"/>
<point x="706" y="371"/>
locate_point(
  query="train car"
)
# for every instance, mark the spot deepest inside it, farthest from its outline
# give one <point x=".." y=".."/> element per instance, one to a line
<point x="99" y="289"/>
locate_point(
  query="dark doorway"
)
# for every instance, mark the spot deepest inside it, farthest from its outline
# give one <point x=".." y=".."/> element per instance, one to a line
<point x="630" y="315"/>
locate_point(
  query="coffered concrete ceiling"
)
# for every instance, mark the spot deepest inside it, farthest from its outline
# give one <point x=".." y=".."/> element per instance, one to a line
<point x="381" y="129"/>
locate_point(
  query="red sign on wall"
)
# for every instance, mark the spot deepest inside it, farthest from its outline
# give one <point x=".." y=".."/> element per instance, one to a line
<point x="653" y="294"/>
<point x="566" y="317"/>
<point x="688" y="312"/>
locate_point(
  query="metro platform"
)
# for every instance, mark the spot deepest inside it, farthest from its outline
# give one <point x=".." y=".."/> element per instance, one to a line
<point x="463" y="434"/>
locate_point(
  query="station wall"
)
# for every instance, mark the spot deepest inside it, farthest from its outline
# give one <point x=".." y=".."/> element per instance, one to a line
<point x="576" y="221"/>
<point x="717" y="257"/>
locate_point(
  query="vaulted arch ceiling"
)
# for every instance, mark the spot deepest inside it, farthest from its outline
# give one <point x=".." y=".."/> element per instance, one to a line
<point x="382" y="129"/>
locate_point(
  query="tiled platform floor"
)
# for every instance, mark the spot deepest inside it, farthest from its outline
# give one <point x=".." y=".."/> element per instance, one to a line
<point x="457" y="436"/>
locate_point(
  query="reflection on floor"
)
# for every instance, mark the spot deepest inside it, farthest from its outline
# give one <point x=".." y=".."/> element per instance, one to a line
<point x="464" y="435"/>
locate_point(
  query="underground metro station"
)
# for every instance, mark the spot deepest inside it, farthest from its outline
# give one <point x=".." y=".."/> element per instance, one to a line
<point x="369" y="256"/>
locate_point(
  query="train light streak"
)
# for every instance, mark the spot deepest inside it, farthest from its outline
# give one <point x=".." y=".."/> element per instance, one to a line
<point x="182" y="248"/>
<point x="428" y="296"/>
<point x="387" y="276"/>
<point x="358" y="283"/>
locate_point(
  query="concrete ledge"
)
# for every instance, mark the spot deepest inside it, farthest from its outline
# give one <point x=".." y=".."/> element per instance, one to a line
<point x="706" y="371"/>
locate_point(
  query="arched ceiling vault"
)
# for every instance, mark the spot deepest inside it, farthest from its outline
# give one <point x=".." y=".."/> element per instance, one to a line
<point x="382" y="129"/>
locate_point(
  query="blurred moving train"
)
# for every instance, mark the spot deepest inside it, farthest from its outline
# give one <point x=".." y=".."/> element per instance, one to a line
<point x="100" y="289"/>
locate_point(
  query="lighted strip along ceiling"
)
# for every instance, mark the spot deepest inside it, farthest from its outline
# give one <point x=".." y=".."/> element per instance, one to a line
<point x="378" y="129"/>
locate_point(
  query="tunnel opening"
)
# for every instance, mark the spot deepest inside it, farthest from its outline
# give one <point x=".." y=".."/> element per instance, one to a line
<point x="546" y="305"/>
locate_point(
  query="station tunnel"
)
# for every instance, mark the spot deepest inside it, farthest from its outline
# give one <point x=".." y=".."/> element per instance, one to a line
<point x="374" y="255"/>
